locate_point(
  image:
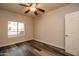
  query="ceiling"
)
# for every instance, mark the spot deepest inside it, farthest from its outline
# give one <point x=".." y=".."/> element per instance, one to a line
<point x="15" y="7"/>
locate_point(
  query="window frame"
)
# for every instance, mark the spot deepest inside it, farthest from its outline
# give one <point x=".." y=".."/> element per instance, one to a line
<point x="17" y="35"/>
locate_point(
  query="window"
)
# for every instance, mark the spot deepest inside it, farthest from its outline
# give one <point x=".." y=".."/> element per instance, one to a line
<point x="15" y="29"/>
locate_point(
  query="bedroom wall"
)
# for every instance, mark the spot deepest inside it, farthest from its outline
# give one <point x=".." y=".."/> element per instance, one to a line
<point x="50" y="27"/>
<point x="6" y="16"/>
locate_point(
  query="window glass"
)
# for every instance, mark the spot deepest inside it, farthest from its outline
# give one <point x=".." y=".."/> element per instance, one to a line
<point x="12" y="29"/>
<point x="15" y="29"/>
<point x="20" y="29"/>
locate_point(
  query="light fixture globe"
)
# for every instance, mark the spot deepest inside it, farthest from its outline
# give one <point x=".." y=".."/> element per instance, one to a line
<point x="32" y="9"/>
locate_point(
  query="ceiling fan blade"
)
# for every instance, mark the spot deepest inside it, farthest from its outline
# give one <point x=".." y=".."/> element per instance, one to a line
<point x="27" y="11"/>
<point x="35" y="13"/>
<point x="31" y="4"/>
<point x="36" y="5"/>
<point x="24" y="5"/>
<point x="41" y="10"/>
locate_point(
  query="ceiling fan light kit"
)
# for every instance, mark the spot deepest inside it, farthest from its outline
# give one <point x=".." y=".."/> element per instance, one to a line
<point x="32" y="9"/>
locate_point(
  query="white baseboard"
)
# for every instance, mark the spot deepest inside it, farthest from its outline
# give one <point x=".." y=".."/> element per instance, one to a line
<point x="50" y="44"/>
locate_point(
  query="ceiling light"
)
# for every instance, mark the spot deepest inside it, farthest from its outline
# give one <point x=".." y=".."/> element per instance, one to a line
<point x="32" y="9"/>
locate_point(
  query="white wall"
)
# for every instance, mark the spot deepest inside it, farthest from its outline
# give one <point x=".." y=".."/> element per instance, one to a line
<point x="6" y="16"/>
<point x="50" y="27"/>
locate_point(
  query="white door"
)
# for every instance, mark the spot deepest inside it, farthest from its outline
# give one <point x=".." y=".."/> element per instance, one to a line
<point x="72" y="33"/>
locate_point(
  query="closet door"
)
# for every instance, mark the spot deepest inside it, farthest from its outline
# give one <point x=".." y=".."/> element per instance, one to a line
<point x="72" y="33"/>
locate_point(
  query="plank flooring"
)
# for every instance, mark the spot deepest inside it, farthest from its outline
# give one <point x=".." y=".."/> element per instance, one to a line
<point x="30" y="48"/>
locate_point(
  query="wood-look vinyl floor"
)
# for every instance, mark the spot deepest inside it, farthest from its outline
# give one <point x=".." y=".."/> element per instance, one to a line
<point x="27" y="49"/>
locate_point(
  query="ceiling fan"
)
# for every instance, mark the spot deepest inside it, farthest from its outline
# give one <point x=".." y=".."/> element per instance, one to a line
<point x="32" y="7"/>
